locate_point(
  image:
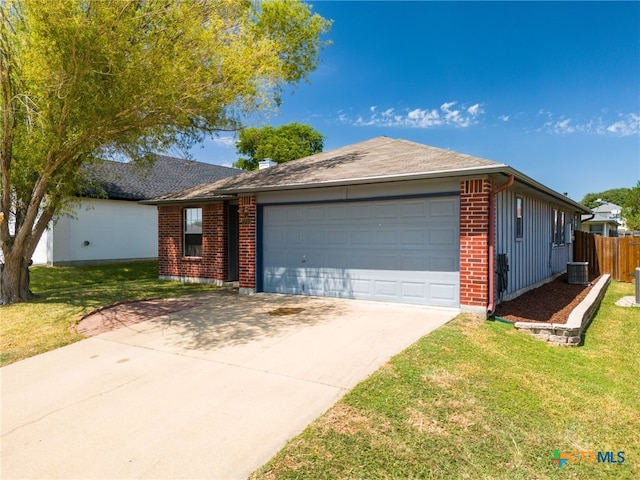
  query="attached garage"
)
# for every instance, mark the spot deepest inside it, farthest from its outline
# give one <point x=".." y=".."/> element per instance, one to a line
<point x="384" y="219"/>
<point x="398" y="250"/>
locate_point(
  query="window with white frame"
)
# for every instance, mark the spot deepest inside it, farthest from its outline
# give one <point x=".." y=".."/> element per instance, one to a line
<point x="193" y="232"/>
<point x="557" y="230"/>
<point x="519" y="218"/>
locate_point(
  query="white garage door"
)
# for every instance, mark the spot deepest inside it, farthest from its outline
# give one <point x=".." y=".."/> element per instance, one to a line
<point x="403" y="251"/>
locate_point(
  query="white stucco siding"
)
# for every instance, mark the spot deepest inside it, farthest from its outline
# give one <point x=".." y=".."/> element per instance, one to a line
<point x="42" y="254"/>
<point x="114" y="230"/>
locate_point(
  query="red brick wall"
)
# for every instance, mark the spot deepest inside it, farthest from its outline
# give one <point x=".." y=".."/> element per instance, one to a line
<point x="247" y="249"/>
<point x="213" y="264"/>
<point x="474" y="242"/>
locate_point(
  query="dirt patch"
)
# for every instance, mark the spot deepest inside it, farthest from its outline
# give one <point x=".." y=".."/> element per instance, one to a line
<point x="550" y="303"/>
<point x="129" y="313"/>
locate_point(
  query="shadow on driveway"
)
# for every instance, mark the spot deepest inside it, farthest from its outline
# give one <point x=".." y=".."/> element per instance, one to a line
<point x="223" y="319"/>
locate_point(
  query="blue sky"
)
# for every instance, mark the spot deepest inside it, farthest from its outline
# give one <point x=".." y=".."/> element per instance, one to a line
<point x="550" y="88"/>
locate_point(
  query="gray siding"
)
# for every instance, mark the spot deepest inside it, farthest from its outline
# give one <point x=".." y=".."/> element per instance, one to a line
<point x="533" y="259"/>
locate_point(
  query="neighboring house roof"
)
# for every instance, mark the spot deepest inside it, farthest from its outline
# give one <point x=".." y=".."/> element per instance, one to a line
<point x="607" y="207"/>
<point x="130" y="181"/>
<point x="381" y="159"/>
<point x="605" y="213"/>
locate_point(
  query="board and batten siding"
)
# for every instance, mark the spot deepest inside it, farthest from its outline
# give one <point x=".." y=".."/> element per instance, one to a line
<point x="533" y="259"/>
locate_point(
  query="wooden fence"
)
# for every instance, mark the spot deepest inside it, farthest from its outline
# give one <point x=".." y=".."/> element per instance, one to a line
<point x="618" y="257"/>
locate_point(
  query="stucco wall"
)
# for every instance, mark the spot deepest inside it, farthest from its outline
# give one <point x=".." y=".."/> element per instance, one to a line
<point x="114" y="230"/>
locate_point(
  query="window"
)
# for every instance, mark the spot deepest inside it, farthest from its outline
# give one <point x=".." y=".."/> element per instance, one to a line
<point x="519" y="218"/>
<point x="192" y="232"/>
<point x="557" y="236"/>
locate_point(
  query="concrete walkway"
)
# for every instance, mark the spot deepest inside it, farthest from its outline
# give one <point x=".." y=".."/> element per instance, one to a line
<point x="212" y="392"/>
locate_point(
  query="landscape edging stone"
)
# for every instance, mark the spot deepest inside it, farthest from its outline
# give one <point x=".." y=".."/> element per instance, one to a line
<point x="570" y="333"/>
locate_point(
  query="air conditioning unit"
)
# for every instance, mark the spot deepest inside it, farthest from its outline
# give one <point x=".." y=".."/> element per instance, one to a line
<point x="578" y="273"/>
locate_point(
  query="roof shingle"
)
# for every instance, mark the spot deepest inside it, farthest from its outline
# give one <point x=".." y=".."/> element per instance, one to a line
<point x="129" y="181"/>
<point x="381" y="158"/>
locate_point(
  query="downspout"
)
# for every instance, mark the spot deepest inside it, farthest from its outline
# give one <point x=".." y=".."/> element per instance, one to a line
<point x="492" y="240"/>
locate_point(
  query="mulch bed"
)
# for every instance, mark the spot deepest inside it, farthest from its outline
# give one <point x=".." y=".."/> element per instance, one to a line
<point x="550" y="303"/>
<point x="129" y="313"/>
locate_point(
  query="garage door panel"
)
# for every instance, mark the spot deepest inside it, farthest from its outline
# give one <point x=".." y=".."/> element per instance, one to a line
<point x="442" y="236"/>
<point x="442" y="292"/>
<point x="294" y="214"/>
<point x="294" y="237"/>
<point x="386" y="211"/>
<point x="443" y="264"/>
<point x="414" y="290"/>
<point x="336" y="212"/>
<point x="413" y="209"/>
<point x="399" y="250"/>
<point x="360" y="211"/>
<point x="443" y="208"/>
<point x="385" y="288"/>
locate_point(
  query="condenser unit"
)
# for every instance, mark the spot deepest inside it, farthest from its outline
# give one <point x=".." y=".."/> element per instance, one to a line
<point x="578" y="273"/>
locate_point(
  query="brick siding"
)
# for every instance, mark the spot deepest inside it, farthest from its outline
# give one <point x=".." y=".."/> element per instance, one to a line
<point x="247" y="248"/>
<point x="213" y="264"/>
<point x="474" y="242"/>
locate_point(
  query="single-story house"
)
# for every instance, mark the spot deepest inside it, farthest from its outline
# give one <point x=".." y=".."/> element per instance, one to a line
<point x="605" y="220"/>
<point x="108" y="223"/>
<point x="384" y="219"/>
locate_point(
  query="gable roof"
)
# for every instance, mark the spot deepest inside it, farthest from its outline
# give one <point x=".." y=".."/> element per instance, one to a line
<point x="607" y="207"/>
<point x="381" y="159"/>
<point x="130" y="181"/>
<point x="378" y="159"/>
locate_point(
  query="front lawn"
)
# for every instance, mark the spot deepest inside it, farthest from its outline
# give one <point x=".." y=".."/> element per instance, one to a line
<point x="65" y="294"/>
<point x="479" y="399"/>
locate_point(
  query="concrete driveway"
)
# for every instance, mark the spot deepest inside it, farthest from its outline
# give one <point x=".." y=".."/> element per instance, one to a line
<point x="212" y="392"/>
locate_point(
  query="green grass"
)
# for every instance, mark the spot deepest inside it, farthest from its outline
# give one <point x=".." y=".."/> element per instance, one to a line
<point x="480" y="400"/>
<point x="65" y="294"/>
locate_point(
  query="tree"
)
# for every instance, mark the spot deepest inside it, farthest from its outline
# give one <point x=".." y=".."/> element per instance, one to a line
<point x="82" y="79"/>
<point x="280" y="144"/>
<point x="616" y="195"/>
<point x="631" y="208"/>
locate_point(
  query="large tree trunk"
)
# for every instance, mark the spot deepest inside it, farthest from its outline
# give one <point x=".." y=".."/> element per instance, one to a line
<point x="14" y="280"/>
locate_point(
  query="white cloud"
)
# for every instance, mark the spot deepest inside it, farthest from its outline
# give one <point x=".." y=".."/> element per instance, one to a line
<point x="474" y="110"/>
<point x="504" y="118"/>
<point x="224" y="140"/>
<point x="626" y="125"/>
<point x="445" y="115"/>
<point x="629" y="125"/>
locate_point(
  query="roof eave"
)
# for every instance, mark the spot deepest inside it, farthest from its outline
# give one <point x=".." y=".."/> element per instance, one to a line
<point x="544" y="189"/>
<point x="182" y="201"/>
<point x="371" y="179"/>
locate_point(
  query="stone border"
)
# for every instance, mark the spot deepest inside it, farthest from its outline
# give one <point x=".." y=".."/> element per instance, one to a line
<point x="570" y="333"/>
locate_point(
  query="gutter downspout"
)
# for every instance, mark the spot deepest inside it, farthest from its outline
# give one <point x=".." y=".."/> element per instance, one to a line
<point x="492" y="240"/>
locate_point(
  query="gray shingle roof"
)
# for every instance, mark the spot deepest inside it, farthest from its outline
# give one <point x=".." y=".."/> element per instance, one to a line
<point x="378" y="159"/>
<point x="129" y="181"/>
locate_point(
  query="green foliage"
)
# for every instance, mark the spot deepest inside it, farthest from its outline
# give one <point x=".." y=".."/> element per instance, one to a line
<point x="280" y="144"/>
<point x="81" y="80"/>
<point x="617" y="196"/>
<point x="631" y="208"/>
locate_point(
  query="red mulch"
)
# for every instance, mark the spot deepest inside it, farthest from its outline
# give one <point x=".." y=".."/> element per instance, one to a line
<point x="550" y="303"/>
<point x="129" y="313"/>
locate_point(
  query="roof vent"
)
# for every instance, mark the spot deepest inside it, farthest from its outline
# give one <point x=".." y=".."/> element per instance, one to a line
<point x="266" y="163"/>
